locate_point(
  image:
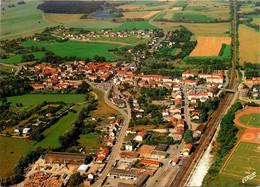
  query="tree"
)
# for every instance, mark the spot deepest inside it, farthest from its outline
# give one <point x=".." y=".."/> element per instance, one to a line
<point x="75" y="179"/>
<point x="188" y="137"/>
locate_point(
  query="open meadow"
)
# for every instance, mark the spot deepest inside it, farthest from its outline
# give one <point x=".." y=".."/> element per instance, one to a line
<point x="199" y="29"/>
<point x="248" y="45"/>
<point x="209" y="46"/>
<point x="76" y="48"/>
<point x="62" y="126"/>
<point x="30" y="100"/>
<point x="11" y="150"/>
<point x="21" y="19"/>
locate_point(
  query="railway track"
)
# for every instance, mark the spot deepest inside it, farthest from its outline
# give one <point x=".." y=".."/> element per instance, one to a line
<point x="215" y="119"/>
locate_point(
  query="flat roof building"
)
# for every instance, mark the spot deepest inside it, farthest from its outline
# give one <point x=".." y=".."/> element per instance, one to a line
<point x="62" y="158"/>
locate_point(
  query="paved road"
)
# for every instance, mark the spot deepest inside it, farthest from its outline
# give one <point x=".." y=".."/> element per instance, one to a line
<point x="116" y="148"/>
<point x="18" y="68"/>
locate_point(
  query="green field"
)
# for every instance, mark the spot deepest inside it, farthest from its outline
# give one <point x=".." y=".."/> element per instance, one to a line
<point x="191" y="17"/>
<point x="252" y="119"/>
<point x="180" y="4"/>
<point x="76" y="48"/>
<point x="11" y="150"/>
<point x="160" y="16"/>
<point x="90" y="140"/>
<point x="35" y="99"/>
<point x="63" y="125"/>
<point x="227" y="52"/>
<point x="243" y="161"/>
<point x="135" y="25"/>
<point x="17" y="58"/>
<point x="173" y="52"/>
<point x="21" y="19"/>
<point x="131" y="40"/>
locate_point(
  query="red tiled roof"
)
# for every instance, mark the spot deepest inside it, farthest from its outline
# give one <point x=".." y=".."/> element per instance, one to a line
<point x="150" y="162"/>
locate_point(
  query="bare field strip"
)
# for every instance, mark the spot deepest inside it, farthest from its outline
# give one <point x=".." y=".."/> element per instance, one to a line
<point x="248" y="45"/>
<point x="199" y="29"/>
<point x="209" y="46"/>
<point x="143" y="14"/>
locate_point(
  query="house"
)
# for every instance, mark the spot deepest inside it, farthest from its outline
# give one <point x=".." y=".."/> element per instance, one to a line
<point x="175" y="160"/>
<point x="165" y="113"/>
<point x="130" y="145"/>
<point x="187" y="74"/>
<point x="118" y="102"/>
<point x="160" y="151"/>
<point x="26" y="130"/>
<point x="151" y="163"/>
<point x="104" y="152"/>
<point x="91" y="175"/>
<point x="187" y="149"/>
<point x="110" y="141"/>
<point x="112" y="116"/>
<point x="118" y="121"/>
<point x="139" y="115"/>
<point x="100" y="159"/>
<point x="88" y="182"/>
<point x="140" y="136"/>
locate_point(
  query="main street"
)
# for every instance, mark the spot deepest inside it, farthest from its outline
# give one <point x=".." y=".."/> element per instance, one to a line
<point x="116" y="148"/>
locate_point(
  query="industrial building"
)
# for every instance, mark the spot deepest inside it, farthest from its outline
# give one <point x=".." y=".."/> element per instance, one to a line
<point x="67" y="158"/>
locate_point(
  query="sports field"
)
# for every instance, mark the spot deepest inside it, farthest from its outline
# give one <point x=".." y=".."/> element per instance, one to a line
<point x="243" y="161"/>
<point x="76" y="48"/>
<point x="209" y="46"/>
<point x="63" y="125"/>
<point x="252" y="119"/>
<point x="199" y="29"/>
<point x="11" y="150"/>
<point x="35" y="99"/>
<point x="248" y="45"/>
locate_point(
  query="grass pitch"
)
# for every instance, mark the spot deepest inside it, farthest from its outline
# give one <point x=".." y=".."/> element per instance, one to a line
<point x="243" y="161"/>
<point x="252" y="119"/>
<point x="11" y="150"/>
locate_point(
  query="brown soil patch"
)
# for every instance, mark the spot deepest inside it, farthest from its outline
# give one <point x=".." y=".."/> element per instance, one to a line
<point x="251" y="135"/>
<point x="209" y="46"/>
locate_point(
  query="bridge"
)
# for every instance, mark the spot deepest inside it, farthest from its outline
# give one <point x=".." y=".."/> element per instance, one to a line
<point x="230" y="90"/>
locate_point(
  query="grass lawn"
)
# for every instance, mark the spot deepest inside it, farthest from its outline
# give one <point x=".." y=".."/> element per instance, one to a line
<point x="35" y="99"/>
<point x="90" y="140"/>
<point x="244" y="161"/>
<point x="7" y="69"/>
<point x="252" y="119"/>
<point x="135" y="25"/>
<point x="17" y="58"/>
<point x="129" y="137"/>
<point x="63" y="125"/>
<point x="11" y="150"/>
<point x="227" y="52"/>
<point x="76" y="48"/>
<point x="180" y="4"/>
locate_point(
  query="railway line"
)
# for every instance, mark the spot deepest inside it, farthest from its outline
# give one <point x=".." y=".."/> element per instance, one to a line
<point x="215" y="119"/>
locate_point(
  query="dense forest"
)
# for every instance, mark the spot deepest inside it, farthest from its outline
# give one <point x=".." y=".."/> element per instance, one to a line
<point x="71" y="7"/>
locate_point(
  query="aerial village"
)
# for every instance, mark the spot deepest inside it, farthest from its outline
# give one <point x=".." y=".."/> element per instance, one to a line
<point x="136" y="161"/>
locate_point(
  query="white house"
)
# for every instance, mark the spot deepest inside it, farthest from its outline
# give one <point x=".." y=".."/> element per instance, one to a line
<point x="140" y="136"/>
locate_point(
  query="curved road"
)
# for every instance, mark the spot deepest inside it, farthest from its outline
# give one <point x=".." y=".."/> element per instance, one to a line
<point x="18" y="68"/>
<point x="120" y="137"/>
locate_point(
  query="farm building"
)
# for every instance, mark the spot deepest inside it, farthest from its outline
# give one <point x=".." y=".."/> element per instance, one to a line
<point x="83" y="168"/>
<point x="61" y="158"/>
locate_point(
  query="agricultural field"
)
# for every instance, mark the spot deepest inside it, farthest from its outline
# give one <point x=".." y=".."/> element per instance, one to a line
<point x="135" y="25"/>
<point x="145" y="5"/>
<point x="17" y="58"/>
<point x="192" y="17"/>
<point x="90" y="141"/>
<point x="131" y="40"/>
<point x="256" y="21"/>
<point x="21" y="19"/>
<point x="243" y="161"/>
<point x="209" y="46"/>
<point x="199" y="29"/>
<point x="63" y="125"/>
<point x="11" y="150"/>
<point x="141" y="14"/>
<point x="76" y="48"/>
<point x="252" y="119"/>
<point x="248" y="45"/>
<point x="30" y="100"/>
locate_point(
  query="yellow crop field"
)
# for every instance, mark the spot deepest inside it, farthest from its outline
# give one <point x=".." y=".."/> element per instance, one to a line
<point x="256" y="21"/>
<point x="199" y="29"/>
<point x="248" y="45"/>
<point x="142" y="14"/>
<point x="209" y="46"/>
<point x="130" y="7"/>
